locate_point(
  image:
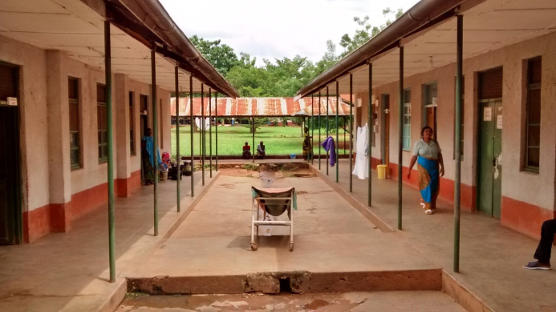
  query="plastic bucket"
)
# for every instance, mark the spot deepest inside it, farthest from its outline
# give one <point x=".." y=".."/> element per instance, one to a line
<point x="381" y="171"/>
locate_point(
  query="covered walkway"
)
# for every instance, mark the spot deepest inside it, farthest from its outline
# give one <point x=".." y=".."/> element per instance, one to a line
<point x="69" y="271"/>
<point x="492" y="256"/>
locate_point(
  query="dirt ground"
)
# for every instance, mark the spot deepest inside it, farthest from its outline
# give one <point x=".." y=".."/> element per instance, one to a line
<point x="330" y="302"/>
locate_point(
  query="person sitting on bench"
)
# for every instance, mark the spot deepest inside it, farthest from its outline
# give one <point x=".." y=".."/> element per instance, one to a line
<point x="246" y="151"/>
<point x="261" y="150"/>
<point x="542" y="254"/>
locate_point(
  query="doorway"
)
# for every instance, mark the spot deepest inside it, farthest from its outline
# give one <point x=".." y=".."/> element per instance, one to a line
<point x="143" y="125"/>
<point x="10" y="181"/>
<point x="385" y="126"/>
<point x="489" y="177"/>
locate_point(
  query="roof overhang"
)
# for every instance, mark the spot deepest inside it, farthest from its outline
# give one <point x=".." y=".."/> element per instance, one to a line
<point x="77" y="29"/>
<point x="487" y="26"/>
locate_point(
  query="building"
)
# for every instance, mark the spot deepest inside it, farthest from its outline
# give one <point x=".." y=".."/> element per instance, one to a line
<point x="53" y="104"/>
<point x="509" y="84"/>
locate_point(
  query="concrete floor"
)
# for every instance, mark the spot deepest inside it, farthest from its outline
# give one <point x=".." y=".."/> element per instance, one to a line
<point x="69" y="271"/>
<point x="393" y="301"/>
<point x="492" y="256"/>
<point x="330" y="236"/>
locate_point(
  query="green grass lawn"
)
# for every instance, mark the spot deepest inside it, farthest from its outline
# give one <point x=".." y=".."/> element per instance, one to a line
<point x="278" y="140"/>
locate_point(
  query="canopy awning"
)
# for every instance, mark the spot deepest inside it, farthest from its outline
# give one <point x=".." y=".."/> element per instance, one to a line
<point x="77" y="28"/>
<point x="487" y="26"/>
<point x="261" y="107"/>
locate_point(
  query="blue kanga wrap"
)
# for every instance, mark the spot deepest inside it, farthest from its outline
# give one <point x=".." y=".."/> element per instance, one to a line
<point x="428" y="178"/>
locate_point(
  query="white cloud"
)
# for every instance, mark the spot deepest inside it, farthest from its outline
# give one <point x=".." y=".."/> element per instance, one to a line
<point x="276" y="29"/>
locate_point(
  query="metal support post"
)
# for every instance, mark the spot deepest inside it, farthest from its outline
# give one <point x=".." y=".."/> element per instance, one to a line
<point x="400" y="138"/>
<point x="459" y="117"/>
<point x="110" y="134"/>
<point x="155" y="136"/>
<point x="203" y="151"/>
<point x="191" y="132"/>
<point x="337" y="131"/>
<point x="319" y="130"/>
<point x="327" y="132"/>
<point x="216" y="126"/>
<point x="253" y="144"/>
<point x="350" y="132"/>
<point x="370" y="141"/>
<point x="210" y="132"/>
<point x="312" y="127"/>
<point x="178" y="158"/>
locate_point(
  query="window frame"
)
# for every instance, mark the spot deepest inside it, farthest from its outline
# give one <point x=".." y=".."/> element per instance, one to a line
<point x="528" y="87"/>
<point x="406" y="126"/>
<point x="102" y="132"/>
<point x="75" y="132"/>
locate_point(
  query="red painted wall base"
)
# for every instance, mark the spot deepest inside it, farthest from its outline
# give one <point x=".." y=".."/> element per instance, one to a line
<point x="516" y="215"/>
<point x="54" y="218"/>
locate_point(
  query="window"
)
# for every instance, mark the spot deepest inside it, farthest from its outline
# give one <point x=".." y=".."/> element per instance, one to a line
<point x="102" y="124"/>
<point x="406" y="133"/>
<point x="131" y="124"/>
<point x="160" y="127"/>
<point x="429" y="106"/>
<point x="533" y="115"/>
<point x="74" y="123"/>
<point x="462" y="117"/>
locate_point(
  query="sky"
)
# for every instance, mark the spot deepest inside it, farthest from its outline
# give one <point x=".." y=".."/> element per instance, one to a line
<point x="275" y="29"/>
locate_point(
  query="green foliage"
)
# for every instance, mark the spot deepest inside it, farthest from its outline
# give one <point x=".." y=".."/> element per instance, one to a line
<point x="366" y="30"/>
<point x="284" y="77"/>
<point x="221" y="56"/>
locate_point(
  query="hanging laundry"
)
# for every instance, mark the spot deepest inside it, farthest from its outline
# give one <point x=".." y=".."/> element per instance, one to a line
<point x="329" y="146"/>
<point x="361" y="169"/>
<point x="198" y="123"/>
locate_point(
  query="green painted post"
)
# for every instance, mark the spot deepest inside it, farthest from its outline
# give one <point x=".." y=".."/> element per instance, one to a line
<point x="155" y="138"/>
<point x="108" y="95"/>
<point x="312" y="127"/>
<point x="210" y="132"/>
<point x="344" y="119"/>
<point x="178" y="158"/>
<point x="319" y="129"/>
<point x="216" y="126"/>
<point x="191" y="130"/>
<point x="350" y="132"/>
<point x="203" y="134"/>
<point x="253" y="143"/>
<point x="337" y="130"/>
<point x="370" y="124"/>
<point x="327" y="131"/>
<point x="400" y="138"/>
<point x="459" y="94"/>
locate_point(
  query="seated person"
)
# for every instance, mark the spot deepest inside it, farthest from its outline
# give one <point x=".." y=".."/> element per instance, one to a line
<point x="246" y="151"/>
<point x="260" y="150"/>
<point x="542" y="254"/>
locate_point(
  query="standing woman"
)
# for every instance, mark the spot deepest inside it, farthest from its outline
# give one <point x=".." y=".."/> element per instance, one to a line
<point x="428" y="156"/>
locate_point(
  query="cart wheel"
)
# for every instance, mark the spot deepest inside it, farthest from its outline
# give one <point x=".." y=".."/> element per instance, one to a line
<point x="253" y="246"/>
<point x="291" y="246"/>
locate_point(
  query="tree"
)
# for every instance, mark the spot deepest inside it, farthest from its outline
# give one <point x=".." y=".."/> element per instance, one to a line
<point x="220" y="55"/>
<point x="366" y="30"/>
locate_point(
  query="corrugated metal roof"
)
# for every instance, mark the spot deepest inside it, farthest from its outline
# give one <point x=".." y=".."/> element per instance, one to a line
<point x="259" y="106"/>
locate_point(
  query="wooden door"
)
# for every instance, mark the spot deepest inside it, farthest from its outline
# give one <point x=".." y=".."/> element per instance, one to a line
<point x="10" y="207"/>
<point x="490" y="143"/>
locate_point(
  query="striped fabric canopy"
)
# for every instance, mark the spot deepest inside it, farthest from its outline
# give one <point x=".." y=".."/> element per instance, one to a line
<point x="260" y="106"/>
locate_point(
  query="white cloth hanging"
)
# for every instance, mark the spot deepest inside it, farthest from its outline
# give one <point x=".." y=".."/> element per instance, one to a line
<point x="198" y="123"/>
<point x="361" y="168"/>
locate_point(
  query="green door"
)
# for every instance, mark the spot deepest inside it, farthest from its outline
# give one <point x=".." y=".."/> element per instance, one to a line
<point x="490" y="168"/>
<point x="10" y="208"/>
